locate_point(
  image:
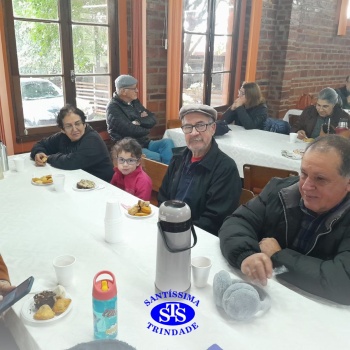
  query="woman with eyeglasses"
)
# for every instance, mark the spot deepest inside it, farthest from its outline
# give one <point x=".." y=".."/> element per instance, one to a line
<point x="128" y="173"/>
<point x="321" y="118"/>
<point x="76" y="146"/>
<point x="249" y="109"/>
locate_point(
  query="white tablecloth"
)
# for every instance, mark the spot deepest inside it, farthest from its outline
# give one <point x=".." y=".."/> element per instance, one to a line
<point x="251" y="147"/>
<point x="37" y="224"/>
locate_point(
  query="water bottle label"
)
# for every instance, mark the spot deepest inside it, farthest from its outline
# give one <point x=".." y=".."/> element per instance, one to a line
<point x="105" y="319"/>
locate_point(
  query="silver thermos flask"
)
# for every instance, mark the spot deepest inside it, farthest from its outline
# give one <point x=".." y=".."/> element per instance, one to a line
<point x="3" y="157"/>
<point x="173" y="267"/>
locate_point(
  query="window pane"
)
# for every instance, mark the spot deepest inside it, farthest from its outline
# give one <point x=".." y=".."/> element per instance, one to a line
<point x="194" y="53"/>
<point x="38" y="48"/>
<point x="219" y="89"/>
<point x="42" y="98"/>
<point x="193" y="91"/>
<point x="195" y="15"/>
<point x="222" y="53"/>
<point x="35" y="9"/>
<point x="93" y="96"/>
<point x="90" y="49"/>
<point x="89" y="11"/>
<point x="224" y="17"/>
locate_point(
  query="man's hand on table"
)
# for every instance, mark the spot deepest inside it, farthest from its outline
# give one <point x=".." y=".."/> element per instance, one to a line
<point x="257" y="267"/>
<point x="269" y="246"/>
<point x="40" y="159"/>
<point x="301" y="135"/>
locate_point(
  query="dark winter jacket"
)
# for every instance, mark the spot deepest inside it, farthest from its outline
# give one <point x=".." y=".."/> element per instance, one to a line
<point x="89" y="153"/>
<point x="250" y="118"/>
<point x="120" y="118"/>
<point x="215" y="189"/>
<point x="324" y="270"/>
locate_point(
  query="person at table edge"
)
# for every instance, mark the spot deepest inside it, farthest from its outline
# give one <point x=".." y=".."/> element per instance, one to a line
<point x="5" y="285"/>
<point x="200" y="174"/>
<point x="76" y="146"/>
<point x="249" y="109"/>
<point x="127" y="117"/>
<point x="344" y="93"/>
<point x="322" y="118"/>
<point x="300" y="223"/>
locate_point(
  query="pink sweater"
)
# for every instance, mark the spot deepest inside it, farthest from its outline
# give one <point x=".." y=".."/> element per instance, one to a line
<point x="137" y="183"/>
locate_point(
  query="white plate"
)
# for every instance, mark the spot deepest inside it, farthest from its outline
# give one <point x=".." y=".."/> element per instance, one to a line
<point x="28" y="311"/>
<point x="36" y="184"/>
<point x="139" y="217"/>
<point x="97" y="187"/>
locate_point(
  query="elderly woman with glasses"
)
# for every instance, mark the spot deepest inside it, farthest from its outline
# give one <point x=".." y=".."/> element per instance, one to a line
<point x="249" y="109"/>
<point x="321" y="118"/>
<point x="76" y="146"/>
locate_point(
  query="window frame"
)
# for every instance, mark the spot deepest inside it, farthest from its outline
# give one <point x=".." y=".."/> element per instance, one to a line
<point x="65" y="30"/>
<point x="235" y="54"/>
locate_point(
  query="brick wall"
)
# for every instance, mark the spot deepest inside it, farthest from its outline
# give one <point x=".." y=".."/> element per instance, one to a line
<point x="300" y="51"/>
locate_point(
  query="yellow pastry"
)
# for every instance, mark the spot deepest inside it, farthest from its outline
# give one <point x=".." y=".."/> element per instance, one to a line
<point x="61" y="305"/>
<point x="44" y="313"/>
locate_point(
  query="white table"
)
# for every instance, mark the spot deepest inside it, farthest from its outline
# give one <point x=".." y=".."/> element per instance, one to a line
<point x="255" y="147"/>
<point x="37" y="224"/>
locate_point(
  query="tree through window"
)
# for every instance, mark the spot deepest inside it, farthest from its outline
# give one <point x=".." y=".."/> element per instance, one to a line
<point x="61" y="52"/>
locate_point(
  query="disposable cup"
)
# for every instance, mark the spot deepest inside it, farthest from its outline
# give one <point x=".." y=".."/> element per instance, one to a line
<point x="293" y="137"/>
<point x="64" y="268"/>
<point x="114" y="230"/>
<point x="19" y="164"/>
<point x="201" y="266"/>
<point x="58" y="182"/>
<point x="113" y="211"/>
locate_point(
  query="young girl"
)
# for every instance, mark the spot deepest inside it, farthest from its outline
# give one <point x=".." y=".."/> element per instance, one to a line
<point x="128" y="173"/>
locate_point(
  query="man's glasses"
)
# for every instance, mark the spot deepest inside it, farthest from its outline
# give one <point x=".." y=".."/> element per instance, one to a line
<point x="128" y="88"/>
<point x="129" y="161"/>
<point x="69" y="127"/>
<point x="200" y="127"/>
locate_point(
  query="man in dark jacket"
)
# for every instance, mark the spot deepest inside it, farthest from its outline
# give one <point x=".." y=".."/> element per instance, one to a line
<point x="127" y="117"/>
<point x="344" y="93"/>
<point x="200" y="174"/>
<point x="300" y="223"/>
<point x="77" y="146"/>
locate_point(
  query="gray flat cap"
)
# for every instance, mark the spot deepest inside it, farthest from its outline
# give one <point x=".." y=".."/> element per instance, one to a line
<point x="124" y="81"/>
<point x="198" y="108"/>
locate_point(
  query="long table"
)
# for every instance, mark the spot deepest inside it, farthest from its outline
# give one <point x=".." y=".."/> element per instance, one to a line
<point x="37" y="224"/>
<point x="255" y="147"/>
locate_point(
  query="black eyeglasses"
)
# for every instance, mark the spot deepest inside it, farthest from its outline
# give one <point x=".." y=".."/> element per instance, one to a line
<point x="129" y="161"/>
<point x="69" y="127"/>
<point x="200" y="127"/>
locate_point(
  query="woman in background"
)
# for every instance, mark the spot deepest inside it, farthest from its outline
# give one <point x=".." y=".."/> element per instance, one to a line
<point x="324" y="116"/>
<point x="249" y="109"/>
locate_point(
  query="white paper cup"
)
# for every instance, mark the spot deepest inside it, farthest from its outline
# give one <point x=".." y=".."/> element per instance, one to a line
<point x="293" y="137"/>
<point x="64" y="267"/>
<point x="58" y="182"/>
<point x="113" y="211"/>
<point x="114" y="230"/>
<point x="201" y="266"/>
<point x="19" y="164"/>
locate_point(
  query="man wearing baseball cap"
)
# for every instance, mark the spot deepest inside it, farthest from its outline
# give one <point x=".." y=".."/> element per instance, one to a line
<point x="200" y="174"/>
<point x="127" y="117"/>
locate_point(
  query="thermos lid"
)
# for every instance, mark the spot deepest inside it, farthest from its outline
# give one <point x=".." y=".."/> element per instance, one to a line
<point x="105" y="288"/>
<point x="174" y="211"/>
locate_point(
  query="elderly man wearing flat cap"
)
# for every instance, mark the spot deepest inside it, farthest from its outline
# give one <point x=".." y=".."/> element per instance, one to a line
<point x="127" y="117"/>
<point x="200" y="174"/>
